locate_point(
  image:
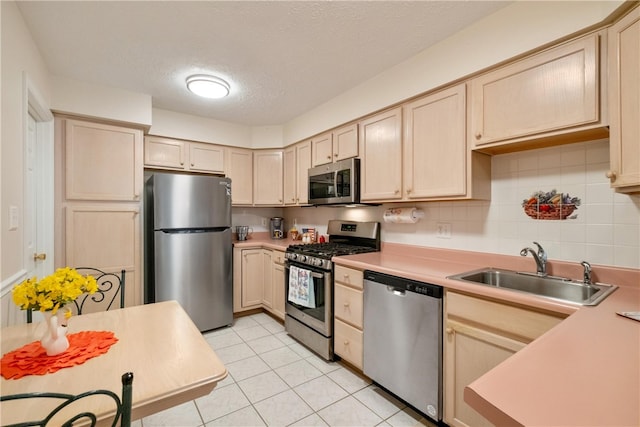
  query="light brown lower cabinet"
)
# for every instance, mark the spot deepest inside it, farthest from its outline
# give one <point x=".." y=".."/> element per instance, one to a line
<point x="348" y="315"/>
<point x="258" y="280"/>
<point x="479" y="335"/>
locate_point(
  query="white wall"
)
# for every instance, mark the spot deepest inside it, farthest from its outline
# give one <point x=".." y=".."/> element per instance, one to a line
<point x="184" y="126"/>
<point x="606" y="229"/>
<point x="91" y="100"/>
<point x="21" y="60"/>
<point x="511" y="31"/>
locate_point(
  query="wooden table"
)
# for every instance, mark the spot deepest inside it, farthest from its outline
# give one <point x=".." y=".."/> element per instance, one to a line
<point x="171" y="362"/>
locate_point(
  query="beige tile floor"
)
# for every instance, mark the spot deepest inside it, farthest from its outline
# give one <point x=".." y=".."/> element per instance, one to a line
<point x="275" y="381"/>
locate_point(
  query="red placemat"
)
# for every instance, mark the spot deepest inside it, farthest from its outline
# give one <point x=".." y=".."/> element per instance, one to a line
<point x="32" y="359"/>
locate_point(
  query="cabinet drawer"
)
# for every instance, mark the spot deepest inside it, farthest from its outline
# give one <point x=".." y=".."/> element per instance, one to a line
<point x="527" y="324"/>
<point x="349" y="277"/>
<point x="348" y="305"/>
<point x="348" y="343"/>
<point x="278" y="257"/>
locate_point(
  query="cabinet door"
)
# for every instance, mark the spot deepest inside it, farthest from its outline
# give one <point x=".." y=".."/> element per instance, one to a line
<point x="303" y="163"/>
<point x="381" y="156"/>
<point x="252" y="277"/>
<point x="267" y="283"/>
<point x="103" y="162"/>
<point x="240" y="170"/>
<point x="551" y="91"/>
<point x="624" y="102"/>
<point x="435" y="148"/>
<point x="290" y="176"/>
<point x="322" y="149"/>
<point x="206" y="158"/>
<point x="267" y="179"/>
<point x="164" y="153"/>
<point x="345" y="142"/>
<point x="470" y="352"/>
<point x="107" y="237"/>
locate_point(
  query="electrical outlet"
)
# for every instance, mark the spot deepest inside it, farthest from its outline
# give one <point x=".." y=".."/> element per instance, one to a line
<point x="443" y="230"/>
<point x="264" y="222"/>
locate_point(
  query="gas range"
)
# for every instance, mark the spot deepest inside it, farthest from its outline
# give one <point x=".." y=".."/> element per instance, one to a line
<point x="345" y="238"/>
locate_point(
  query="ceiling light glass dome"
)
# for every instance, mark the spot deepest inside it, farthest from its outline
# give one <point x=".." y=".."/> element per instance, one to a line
<point x="208" y="86"/>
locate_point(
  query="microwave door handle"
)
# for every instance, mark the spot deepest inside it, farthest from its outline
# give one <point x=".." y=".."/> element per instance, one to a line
<point x="335" y="184"/>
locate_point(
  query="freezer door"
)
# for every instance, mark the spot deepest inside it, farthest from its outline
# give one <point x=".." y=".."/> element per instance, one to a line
<point x="190" y="201"/>
<point x="195" y="269"/>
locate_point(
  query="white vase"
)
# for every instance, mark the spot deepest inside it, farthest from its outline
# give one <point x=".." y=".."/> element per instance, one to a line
<point x="55" y="339"/>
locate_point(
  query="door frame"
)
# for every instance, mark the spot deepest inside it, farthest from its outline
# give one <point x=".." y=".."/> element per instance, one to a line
<point x="43" y="179"/>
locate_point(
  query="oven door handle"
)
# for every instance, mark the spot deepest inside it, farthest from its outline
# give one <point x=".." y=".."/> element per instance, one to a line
<point x="317" y="275"/>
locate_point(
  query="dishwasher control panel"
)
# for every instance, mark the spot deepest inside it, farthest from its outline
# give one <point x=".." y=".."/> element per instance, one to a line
<point x="403" y="284"/>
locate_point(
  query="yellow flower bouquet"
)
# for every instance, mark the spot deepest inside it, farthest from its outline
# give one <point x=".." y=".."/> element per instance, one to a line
<point x="54" y="291"/>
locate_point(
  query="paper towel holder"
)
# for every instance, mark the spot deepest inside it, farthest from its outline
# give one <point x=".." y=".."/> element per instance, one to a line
<point x="403" y="215"/>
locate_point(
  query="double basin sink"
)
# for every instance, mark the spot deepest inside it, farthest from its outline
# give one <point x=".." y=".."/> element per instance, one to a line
<point x="557" y="288"/>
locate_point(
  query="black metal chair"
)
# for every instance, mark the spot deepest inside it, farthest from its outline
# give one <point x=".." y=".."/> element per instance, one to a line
<point x="123" y="406"/>
<point x="111" y="286"/>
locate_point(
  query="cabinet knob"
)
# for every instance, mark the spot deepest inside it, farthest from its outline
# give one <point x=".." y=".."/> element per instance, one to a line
<point x="449" y="331"/>
<point x="39" y="257"/>
<point x="335" y="155"/>
<point x="346" y="277"/>
<point x="329" y="157"/>
<point x="346" y="304"/>
<point x="280" y="200"/>
<point x="478" y="135"/>
<point x="611" y="175"/>
<point x="181" y="163"/>
<point x="192" y="164"/>
<point x="346" y="342"/>
<point x="396" y="192"/>
<point x="409" y="191"/>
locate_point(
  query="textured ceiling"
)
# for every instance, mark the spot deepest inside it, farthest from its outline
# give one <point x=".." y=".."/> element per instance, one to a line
<point x="282" y="58"/>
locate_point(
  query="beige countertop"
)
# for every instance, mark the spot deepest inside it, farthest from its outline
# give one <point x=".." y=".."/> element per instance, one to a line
<point x="583" y="372"/>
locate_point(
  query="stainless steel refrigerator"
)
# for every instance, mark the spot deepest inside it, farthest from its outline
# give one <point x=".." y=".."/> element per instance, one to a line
<point x="188" y="246"/>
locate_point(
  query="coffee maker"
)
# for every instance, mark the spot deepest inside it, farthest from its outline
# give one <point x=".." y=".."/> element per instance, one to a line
<point x="276" y="228"/>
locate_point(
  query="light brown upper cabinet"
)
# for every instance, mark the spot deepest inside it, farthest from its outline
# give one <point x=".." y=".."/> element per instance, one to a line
<point x="206" y="158"/>
<point x="437" y="164"/>
<point x="381" y="156"/>
<point x="240" y="169"/>
<point x="267" y="178"/>
<point x="297" y="161"/>
<point x="174" y="154"/>
<point x="339" y="144"/>
<point x="624" y="102"/>
<point x="103" y="162"/>
<point x="548" y="98"/>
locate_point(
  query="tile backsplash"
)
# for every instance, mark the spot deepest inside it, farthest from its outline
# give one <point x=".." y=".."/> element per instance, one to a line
<point x="605" y="230"/>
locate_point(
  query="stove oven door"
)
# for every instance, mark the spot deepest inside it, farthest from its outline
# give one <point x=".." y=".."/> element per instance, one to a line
<point x="308" y="294"/>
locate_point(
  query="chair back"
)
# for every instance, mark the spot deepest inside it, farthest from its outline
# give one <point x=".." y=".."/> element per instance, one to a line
<point x="110" y="293"/>
<point x="64" y="413"/>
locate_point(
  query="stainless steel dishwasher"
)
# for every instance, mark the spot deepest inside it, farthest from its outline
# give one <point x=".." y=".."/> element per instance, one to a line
<point x="403" y="339"/>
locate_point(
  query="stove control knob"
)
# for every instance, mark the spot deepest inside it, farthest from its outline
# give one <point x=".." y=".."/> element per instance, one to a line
<point x="301" y="258"/>
<point x="317" y="262"/>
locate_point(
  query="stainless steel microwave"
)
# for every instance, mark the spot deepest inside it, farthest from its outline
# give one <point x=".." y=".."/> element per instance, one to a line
<point x="335" y="183"/>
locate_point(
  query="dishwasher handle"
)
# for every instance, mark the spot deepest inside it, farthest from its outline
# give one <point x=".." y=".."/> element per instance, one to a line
<point x="396" y="291"/>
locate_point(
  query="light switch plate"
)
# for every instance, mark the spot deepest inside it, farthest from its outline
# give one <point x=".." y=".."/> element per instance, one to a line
<point x="13" y="218"/>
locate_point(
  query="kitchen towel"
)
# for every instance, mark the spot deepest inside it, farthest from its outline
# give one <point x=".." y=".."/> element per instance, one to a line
<point x="301" y="288"/>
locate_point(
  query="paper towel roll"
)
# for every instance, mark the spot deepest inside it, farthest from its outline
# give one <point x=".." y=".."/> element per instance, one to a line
<point x="403" y="215"/>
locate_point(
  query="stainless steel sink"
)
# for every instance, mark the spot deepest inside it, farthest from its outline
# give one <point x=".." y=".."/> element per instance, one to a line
<point x="557" y="288"/>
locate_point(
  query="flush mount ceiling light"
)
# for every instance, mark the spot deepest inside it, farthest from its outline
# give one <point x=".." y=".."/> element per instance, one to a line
<point x="208" y="86"/>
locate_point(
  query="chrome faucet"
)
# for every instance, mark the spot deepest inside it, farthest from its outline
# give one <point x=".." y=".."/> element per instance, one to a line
<point x="587" y="272"/>
<point x="540" y="258"/>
